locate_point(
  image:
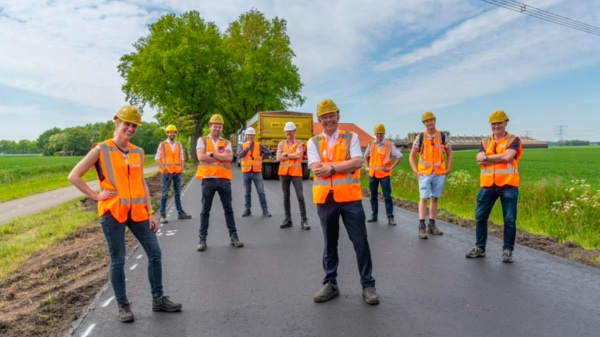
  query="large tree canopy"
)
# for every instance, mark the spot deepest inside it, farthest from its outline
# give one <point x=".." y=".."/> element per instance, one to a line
<point x="187" y="70"/>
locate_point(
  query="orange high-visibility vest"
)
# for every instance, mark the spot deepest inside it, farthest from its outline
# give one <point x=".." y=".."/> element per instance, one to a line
<point x="500" y="174"/>
<point x="252" y="161"/>
<point x="379" y="159"/>
<point x="170" y="159"/>
<point x="218" y="169"/>
<point x="345" y="186"/>
<point x="431" y="158"/>
<point x="292" y="167"/>
<point x="124" y="176"/>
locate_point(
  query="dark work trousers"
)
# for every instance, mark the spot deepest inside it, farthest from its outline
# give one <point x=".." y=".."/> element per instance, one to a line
<point x="285" y="187"/>
<point x="353" y="216"/>
<point x="209" y="187"/>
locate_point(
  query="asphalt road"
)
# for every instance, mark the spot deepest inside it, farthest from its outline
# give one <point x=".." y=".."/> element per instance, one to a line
<point x="427" y="287"/>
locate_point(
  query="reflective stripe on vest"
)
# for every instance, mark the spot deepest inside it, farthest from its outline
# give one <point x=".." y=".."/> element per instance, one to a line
<point x="125" y="177"/>
<point x="500" y="174"/>
<point x="219" y="169"/>
<point x="431" y="157"/>
<point x="379" y="158"/>
<point x="292" y="167"/>
<point x="345" y="186"/>
<point x="252" y="161"/>
<point x="170" y="159"/>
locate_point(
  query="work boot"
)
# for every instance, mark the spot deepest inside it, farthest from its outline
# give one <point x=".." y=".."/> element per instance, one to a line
<point x="287" y="223"/>
<point x="266" y="213"/>
<point x="163" y="218"/>
<point x="370" y="296"/>
<point x="235" y="241"/>
<point x="304" y="225"/>
<point x="201" y="245"/>
<point x="391" y="222"/>
<point x="475" y="252"/>
<point x="372" y="220"/>
<point x="163" y="303"/>
<point x="327" y="292"/>
<point x="181" y="215"/>
<point x="125" y="314"/>
<point x="247" y="212"/>
<point x="422" y="232"/>
<point x="433" y="230"/>
<point x="507" y="256"/>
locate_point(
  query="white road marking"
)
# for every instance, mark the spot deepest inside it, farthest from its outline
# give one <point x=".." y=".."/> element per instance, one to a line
<point x="139" y="256"/>
<point x="107" y="302"/>
<point x="88" y="330"/>
<point x="133" y="267"/>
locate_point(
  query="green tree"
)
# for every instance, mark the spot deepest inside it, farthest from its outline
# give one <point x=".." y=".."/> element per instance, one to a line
<point x="261" y="75"/>
<point x="44" y="139"/>
<point x="148" y="136"/>
<point x="175" y="69"/>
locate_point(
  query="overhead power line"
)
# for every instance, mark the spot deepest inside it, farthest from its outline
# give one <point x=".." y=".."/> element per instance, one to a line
<point x="545" y="15"/>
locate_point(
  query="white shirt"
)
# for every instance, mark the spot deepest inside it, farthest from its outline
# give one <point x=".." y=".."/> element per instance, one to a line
<point x="315" y="157"/>
<point x="200" y="144"/>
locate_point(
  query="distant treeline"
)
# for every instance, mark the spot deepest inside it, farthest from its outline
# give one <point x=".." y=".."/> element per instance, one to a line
<point x="78" y="140"/>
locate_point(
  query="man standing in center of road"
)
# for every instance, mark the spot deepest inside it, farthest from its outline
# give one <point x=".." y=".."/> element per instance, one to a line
<point x="378" y="156"/>
<point x="214" y="170"/>
<point x="251" y="155"/>
<point x="170" y="159"/>
<point x="335" y="158"/>
<point x="431" y="172"/>
<point x="289" y="155"/>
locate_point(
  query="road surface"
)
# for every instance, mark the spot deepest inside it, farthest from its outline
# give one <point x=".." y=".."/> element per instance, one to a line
<point x="427" y="287"/>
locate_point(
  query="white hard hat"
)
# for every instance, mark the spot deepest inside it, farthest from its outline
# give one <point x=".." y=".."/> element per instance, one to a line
<point x="289" y="126"/>
<point x="250" y="131"/>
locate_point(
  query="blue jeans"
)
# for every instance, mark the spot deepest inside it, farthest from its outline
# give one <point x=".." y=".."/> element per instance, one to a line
<point x="353" y="215"/>
<point x="167" y="178"/>
<point x="114" y="232"/>
<point x="386" y="188"/>
<point x="209" y="188"/>
<point x="257" y="177"/>
<point x="509" y="197"/>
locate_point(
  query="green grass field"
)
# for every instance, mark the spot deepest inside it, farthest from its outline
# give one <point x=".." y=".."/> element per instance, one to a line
<point x="559" y="193"/>
<point x="21" y="176"/>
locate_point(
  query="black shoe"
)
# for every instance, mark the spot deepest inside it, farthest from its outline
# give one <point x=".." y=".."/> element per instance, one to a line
<point x="475" y="253"/>
<point x="266" y="213"/>
<point x="201" y="245"/>
<point x="372" y="220"/>
<point x="181" y="215"/>
<point x="287" y="223"/>
<point x="163" y="303"/>
<point x="163" y="218"/>
<point x="247" y="212"/>
<point x="304" y="225"/>
<point x="125" y="314"/>
<point x="235" y="241"/>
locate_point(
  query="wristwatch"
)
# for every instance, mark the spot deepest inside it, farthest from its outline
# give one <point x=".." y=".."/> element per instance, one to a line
<point x="151" y="212"/>
<point x="332" y="171"/>
<point x="485" y="158"/>
<point x="212" y="154"/>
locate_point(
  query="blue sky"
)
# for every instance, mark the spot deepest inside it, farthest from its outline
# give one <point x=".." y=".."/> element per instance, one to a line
<point x="382" y="61"/>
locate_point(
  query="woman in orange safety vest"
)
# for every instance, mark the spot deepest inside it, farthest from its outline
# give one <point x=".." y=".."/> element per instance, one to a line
<point x="124" y="201"/>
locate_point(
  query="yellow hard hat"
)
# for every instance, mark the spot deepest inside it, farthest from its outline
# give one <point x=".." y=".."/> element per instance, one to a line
<point x="129" y="114"/>
<point x="498" y="116"/>
<point x="216" y="119"/>
<point x="326" y="106"/>
<point x="428" y="115"/>
<point x="170" y="128"/>
<point x="379" y="128"/>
